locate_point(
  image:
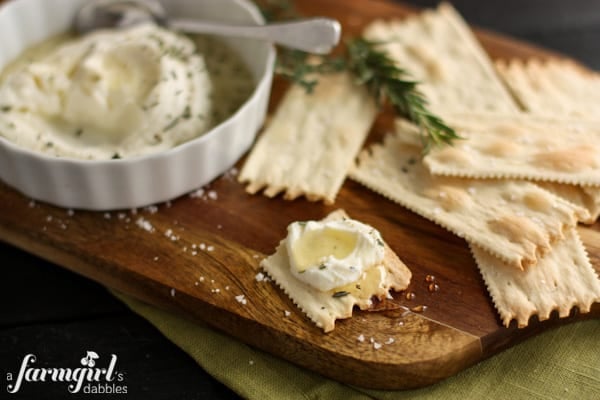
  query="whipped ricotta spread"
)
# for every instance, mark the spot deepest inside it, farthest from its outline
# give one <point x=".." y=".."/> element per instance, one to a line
<point x="112" y="94"/>
<point x="329" y="255"/>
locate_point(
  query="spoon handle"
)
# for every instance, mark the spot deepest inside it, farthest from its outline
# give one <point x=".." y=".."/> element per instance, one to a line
<point x="314" y="35"/>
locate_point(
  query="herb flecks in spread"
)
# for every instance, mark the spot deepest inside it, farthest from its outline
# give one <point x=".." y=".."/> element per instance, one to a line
<point x="127" y="93"/>
<point x="329" y="255"/>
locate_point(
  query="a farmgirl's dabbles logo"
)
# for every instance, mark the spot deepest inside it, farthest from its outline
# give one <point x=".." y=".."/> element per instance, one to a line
<point x="87" y="378"/>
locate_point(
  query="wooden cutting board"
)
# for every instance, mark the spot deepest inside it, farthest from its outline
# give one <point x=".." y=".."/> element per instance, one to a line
<point x="457" y="328"/>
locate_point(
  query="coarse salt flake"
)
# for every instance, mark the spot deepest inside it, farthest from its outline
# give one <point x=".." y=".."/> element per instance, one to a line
<point x="172" y="292"/>
<point x="361" y="338"/>
<point x="260" y="277"/>
<point x="144" y="224"/>
<point x="241" y="299"/>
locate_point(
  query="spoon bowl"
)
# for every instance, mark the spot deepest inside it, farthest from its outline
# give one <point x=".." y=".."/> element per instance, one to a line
<point x="313" y="35"/>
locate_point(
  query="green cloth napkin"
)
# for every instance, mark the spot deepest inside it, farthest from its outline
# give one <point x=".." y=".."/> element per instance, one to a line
<point x="563" y="363"/>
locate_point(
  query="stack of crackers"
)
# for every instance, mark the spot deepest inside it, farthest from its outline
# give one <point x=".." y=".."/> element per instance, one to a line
<point x="526" y="172"/>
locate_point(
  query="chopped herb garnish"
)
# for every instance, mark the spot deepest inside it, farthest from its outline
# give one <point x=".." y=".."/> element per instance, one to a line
<point x="5" y="108"/>
<point x="49" y="144"/>
<point x="341" y="293"/>
<point x="380" y="242"/>
<point x="79" y="132"/>
<point x="187" y="113"/>
<point x="116" y="156"/>
<point x="322" y="266"/>
<point x="171" y="124"/>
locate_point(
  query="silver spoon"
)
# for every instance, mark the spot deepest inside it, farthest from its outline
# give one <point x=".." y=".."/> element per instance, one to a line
<point x="315" y="35"/>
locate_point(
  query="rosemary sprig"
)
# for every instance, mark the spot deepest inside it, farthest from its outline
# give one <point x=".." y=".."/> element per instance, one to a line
<point x="372" y="67"/>
<point x="386" y="81"/>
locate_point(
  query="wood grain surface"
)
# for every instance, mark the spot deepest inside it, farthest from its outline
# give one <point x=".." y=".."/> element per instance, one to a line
<point x="458" y="327"/>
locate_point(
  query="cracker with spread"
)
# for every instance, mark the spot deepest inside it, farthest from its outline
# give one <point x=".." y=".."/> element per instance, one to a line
<point x="327" y="267"/>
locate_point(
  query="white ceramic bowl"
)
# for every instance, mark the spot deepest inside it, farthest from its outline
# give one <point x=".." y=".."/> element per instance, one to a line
<point x="135" y="182"/>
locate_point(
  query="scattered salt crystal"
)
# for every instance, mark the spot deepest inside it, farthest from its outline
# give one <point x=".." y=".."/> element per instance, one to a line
<point x="287" y="313"/>
<point x="144" y="224"/>
<point x="201" y="279"/>
<point x="168" y="233"/>
<point x="251" y="362"/>
<point x="212" y="195"/>
<point x="70" y="212"/>
<point x="196" y="283"/>
<point x="241" y="299"/>
<point x="156" y="258"/>
<point x="63" y="227"/>
<point x="49" y="218"/>
<point x="168" y="204"/>
<point x="106" y="215"/>
<point x="133" y="211"/>
<point x="226" y="287"/>
<point x="184" y="249"/>
<point x="194" y="253"/>
<point x="390" y="341"/>
<point x="371" y="340"/>
<point x="194" y="246"/>
<point x="172" y="292"/>
<point x="44" y="228"/>
<point x="217" y="290"/>
<point x="401" y="323"/>
<point x="202" y="246"/>
<point x="197" y="193"/>
<point x="212" y="281"/>
<point x="121" y="216"/>
<point x="32" y="204"/>
<point x="260" y="277"/>
<point x="361" y="338"/>
<point x="152" y="209"/>
<point x="376" y="345"/>
<point x="210" y="248"/>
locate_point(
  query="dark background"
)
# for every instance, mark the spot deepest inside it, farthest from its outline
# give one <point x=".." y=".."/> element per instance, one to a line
<point x="58" y="315"/>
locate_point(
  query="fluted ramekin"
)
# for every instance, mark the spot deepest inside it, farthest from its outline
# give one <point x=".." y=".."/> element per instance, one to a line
<point x="139" y="181"/>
